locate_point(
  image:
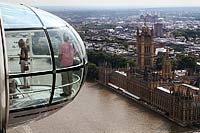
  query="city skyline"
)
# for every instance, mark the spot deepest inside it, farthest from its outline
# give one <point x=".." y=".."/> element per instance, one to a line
<point x="110" y="3"/>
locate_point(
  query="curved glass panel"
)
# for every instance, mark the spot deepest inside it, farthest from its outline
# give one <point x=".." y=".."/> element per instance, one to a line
<point x="18" y="16"/>
<point x="30" y="91"/>
<point x="67" y="85"/>
<point x="80" y="43"/>
<point x="66" y="48"/>
<point x="28" y="52"/>
<point x="34" y="54"/>
<point x="48" y="19"/>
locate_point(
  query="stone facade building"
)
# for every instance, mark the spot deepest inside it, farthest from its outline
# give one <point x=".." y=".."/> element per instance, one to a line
<point x="177" y="100"/>
<point x="144" y="48"/>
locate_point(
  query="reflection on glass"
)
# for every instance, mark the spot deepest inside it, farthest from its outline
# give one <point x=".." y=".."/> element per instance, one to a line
<point x="35" y="51"/>
<point x="80" y="43"/>
<point x="29" y="19"/>
<point x="50" y="20"/>
<point x="38" y="92"/>
<point x="67" y="84"/>
<point x="66" y="48"/>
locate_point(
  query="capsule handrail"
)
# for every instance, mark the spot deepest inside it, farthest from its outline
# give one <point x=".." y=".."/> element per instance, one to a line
<point x="70" y="83"/>
<point x="28" y="92"/>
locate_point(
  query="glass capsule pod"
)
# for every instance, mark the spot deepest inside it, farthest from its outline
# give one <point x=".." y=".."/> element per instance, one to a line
<point x="43" y="64"/>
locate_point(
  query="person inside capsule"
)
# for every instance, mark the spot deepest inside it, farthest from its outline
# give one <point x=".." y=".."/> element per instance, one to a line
<point x="23" y="61"/>
<point x="65" y="55"/>
<point x="45" y="63"/>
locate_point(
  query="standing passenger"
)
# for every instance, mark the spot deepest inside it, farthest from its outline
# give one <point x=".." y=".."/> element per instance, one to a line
<point x="23" y="60"/>
<point x="65" y="56"/>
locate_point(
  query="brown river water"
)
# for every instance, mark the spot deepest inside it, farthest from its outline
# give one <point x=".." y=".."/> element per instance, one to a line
<point x="97" y="109"/>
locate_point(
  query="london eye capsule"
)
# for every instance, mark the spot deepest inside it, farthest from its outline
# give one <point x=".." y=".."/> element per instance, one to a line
<point x="43" y="64"/>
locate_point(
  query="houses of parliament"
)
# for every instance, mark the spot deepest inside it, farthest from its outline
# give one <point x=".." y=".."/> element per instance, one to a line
<point x="172" y="96"/>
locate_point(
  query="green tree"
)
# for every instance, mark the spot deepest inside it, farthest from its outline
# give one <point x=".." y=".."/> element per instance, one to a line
<point x="174" y="65"/>
<point x="159" y="63"/>
<point x="92" y="73"/>
<point x="187" y="62"/>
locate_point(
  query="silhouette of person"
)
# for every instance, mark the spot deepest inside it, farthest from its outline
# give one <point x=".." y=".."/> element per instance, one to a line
<point x="23" y="60"/>
<point x="65" y="55"/>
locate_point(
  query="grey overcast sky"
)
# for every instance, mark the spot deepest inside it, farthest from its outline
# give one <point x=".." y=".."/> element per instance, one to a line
<point x="108" y="3"/>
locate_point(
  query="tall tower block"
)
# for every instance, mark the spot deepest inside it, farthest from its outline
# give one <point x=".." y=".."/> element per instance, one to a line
<point x="167" y="67"/>
<point x="144" y="48"/>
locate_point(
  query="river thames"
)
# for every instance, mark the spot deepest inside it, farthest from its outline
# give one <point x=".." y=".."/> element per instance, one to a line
<point x="99" y="110"/>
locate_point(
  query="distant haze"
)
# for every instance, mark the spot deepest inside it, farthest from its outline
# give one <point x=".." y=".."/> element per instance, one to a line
<point x="110" y="3"/>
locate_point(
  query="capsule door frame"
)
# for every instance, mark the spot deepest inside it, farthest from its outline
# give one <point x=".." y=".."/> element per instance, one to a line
<point x="4" y="86"/>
